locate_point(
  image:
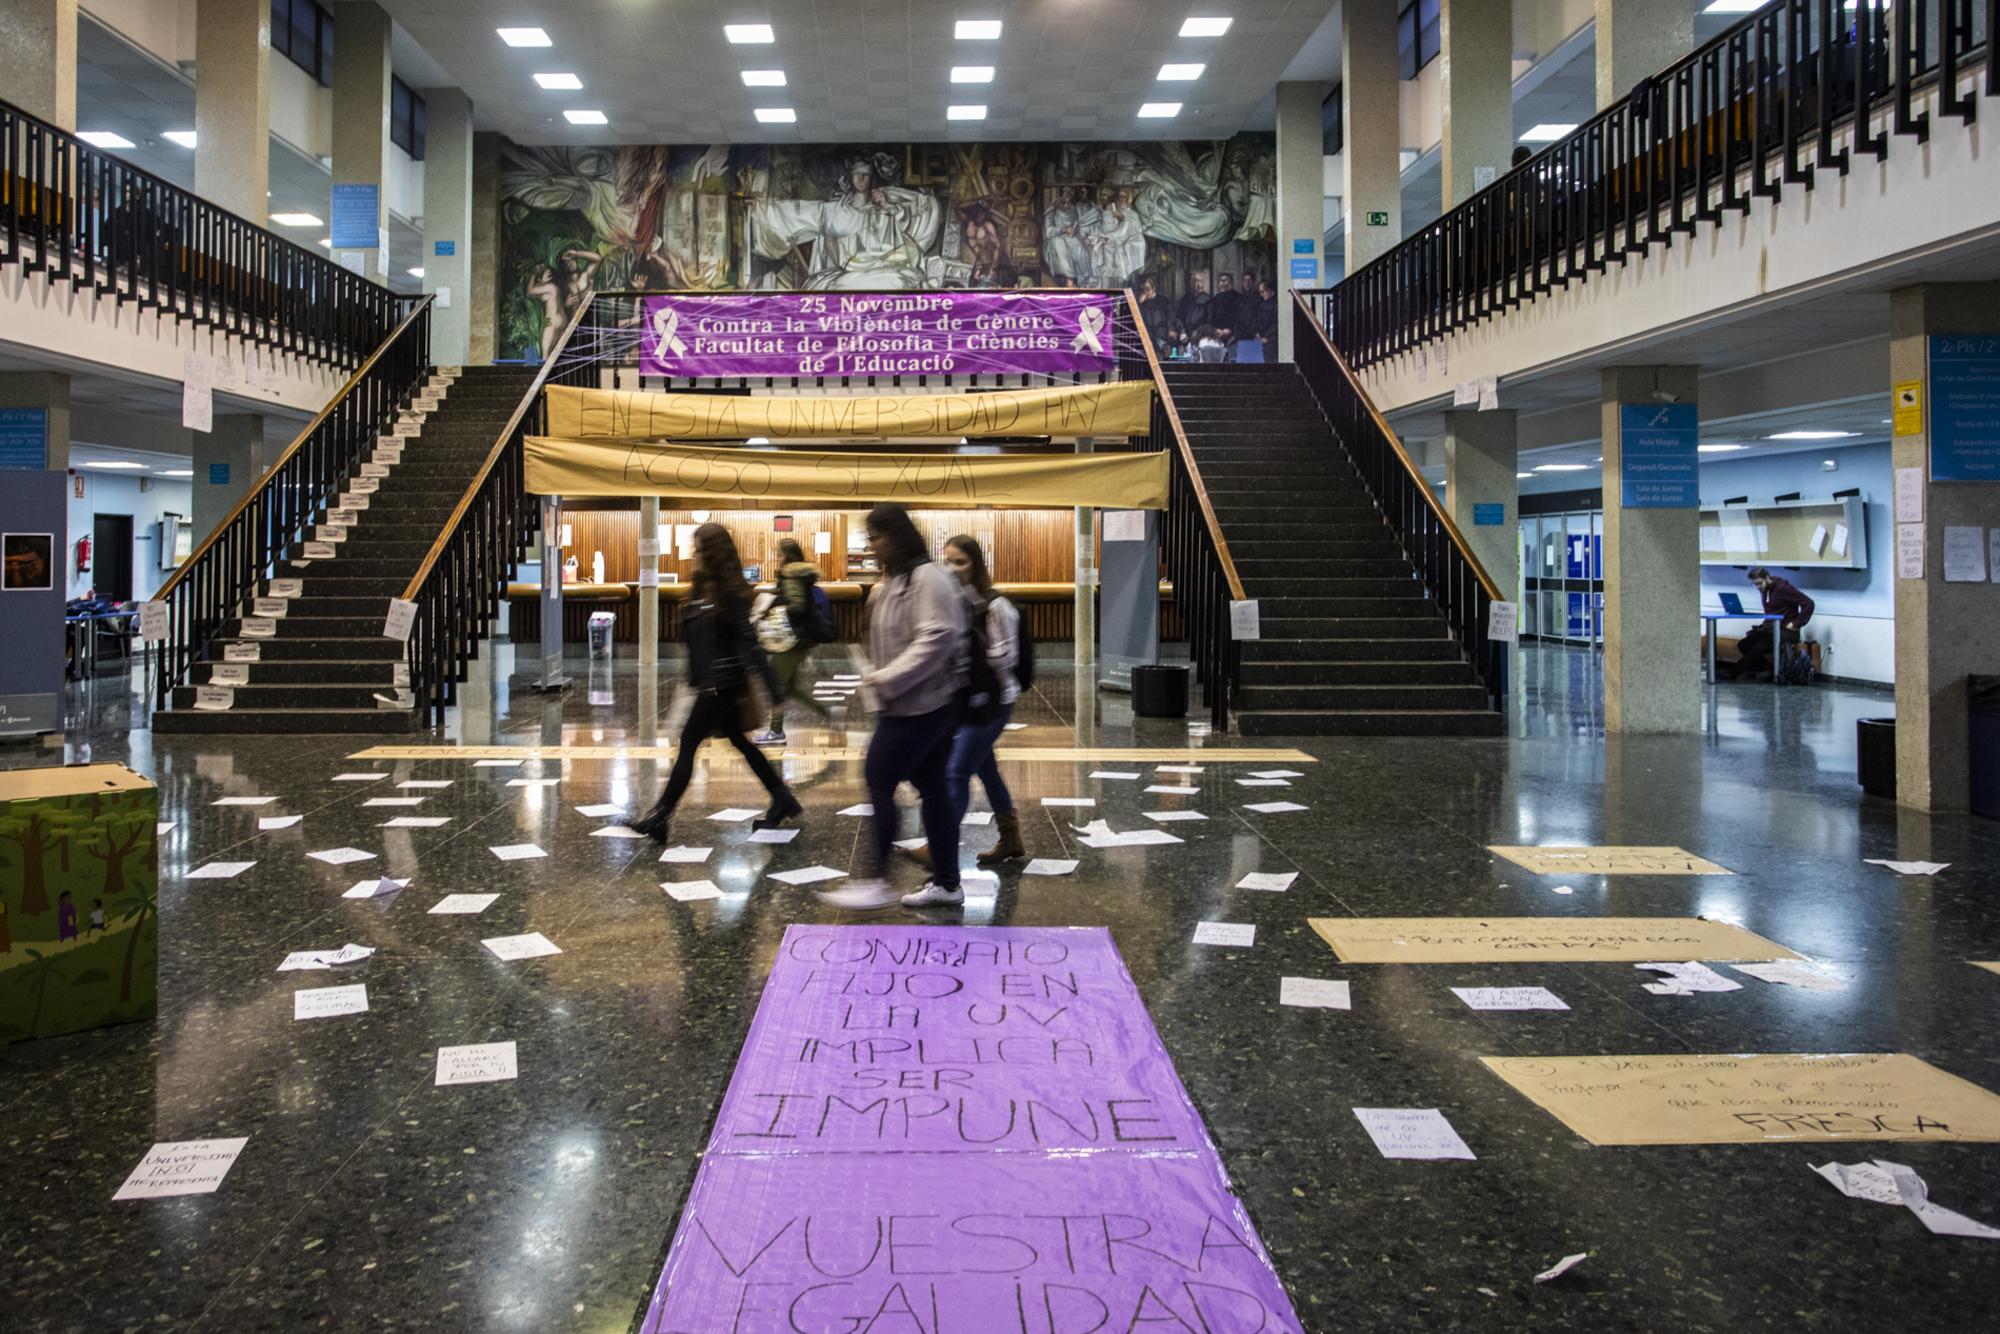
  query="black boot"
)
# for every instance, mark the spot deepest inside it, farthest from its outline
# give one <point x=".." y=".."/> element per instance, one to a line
<point x="655" y="824"/>
<point x="782" y="808"/>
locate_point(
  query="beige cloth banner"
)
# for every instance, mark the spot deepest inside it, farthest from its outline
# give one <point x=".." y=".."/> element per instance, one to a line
<point x="821" y="478"/>
<point x="1538" y="939"/>
<point x="1119" y="409"/>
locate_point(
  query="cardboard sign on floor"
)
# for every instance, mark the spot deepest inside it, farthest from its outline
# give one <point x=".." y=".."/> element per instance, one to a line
<point x="1539" y="939"/>
<point x="1609" y="861"/>
<point x="1775" y="1099"/>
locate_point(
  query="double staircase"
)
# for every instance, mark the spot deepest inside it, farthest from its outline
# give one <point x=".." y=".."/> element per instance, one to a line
<point x="323" y="664"/>
<point x="1351" y="644"/>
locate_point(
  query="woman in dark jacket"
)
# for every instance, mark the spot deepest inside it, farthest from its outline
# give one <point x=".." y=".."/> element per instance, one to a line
<point x="722" y="653"/>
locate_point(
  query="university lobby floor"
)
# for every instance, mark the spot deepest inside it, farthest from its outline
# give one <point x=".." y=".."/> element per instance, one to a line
<point x="369" y="1197"/>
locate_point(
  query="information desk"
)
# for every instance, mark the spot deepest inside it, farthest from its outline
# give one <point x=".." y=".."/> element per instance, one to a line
<point x="1049" y="609"/>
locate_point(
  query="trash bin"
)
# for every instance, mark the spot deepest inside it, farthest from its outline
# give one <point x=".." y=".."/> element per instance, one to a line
<point x="602" y="625"/>
<point x="1875" y="756"/>
<point x="1160" y="691"/>
<point x="1982" y="744"/>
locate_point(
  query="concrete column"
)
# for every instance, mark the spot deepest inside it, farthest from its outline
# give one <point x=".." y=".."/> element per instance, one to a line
<point x="232" y="106"/>
<point x="1372" y="150"/>
<point x="1084" y="610"/>
<point x="1476" y="61"/>
<point x="227" y="463"/>
<point x="1638" y="38"/>
<point x="483" y="261"/>
<point x="1480" y="454"/>
<point x="1301" y="195"/>
<point x="361" y="73"/>
<point x="38" y="58"/>
<point x="1944" y="631"/>
<point x="49" y="391"/>
<point x="649" y="596"/>
<point x="1652" y="578"/>
<point x="448" y="222"/>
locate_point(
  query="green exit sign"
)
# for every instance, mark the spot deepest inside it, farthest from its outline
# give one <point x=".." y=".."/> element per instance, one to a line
<point x="1378" y="218"/>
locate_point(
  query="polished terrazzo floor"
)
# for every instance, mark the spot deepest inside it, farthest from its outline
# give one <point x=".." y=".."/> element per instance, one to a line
<point x="368" y="1199"/>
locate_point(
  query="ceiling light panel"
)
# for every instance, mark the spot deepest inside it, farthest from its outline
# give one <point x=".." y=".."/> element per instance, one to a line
<point x="185" y="138"/>
<point x="104" y="139"/>
<point x="584" y="116"/>
<point x="559" y="83"/>
<point x="295" y="220"/>
<point x="1546" y="133"/>
<point x="749" y="34"/>
<point x="524" y="37"/>
<point x="763" y="78"/>
<point x="1205" y="27"/>
<point x="1159" y="110"/>
<point x="1181" y="73"/>
<point x="777" y="116"/>
<point x="977" y="30"/>
<point x="965" y="112"/>
<point x="972" y="74"/>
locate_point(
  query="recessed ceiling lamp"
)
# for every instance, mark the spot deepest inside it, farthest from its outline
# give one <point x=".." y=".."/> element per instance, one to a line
<point x="295" y="220"/>
<point x="576" y="116"/>
<point x="104" y="139"/>
<point x="749" y="34"/>
<point x="1563" y="467"/>
<point x="1814" y="435"/>
<point x="977" y="30"/>
<point x="1547" y="132"/>
<point x="973" y="111"/>
<point x="1159" y="110"/>
<point x="972" y="74"/>
<point x="416" y="273"/>
<point x="1210" y="27"/>
<point x="524" y="37"/>
<point x="560" y="83"/>
<point x="177" y="472"/>
<point x="776" y="116"/>
<point x="185" y="138"/>
<point x="1181" y="73"/>
<point x="1737" y="6"/>
<point x="1719" y="449"/>
<point x="763" y="78"/>
<point x="1521" y="476"/>
<point x="102" y="463"/>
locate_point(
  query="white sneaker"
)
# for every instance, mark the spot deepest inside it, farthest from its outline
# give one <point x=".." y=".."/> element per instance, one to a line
<point x="934" y="895"/>
<point x="860" y="894"/>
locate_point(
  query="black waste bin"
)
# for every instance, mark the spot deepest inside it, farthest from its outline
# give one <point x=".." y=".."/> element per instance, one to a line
<point x="1160" y="692"/>
<point x="1875" y="756"/>
<point x="1982" y="744"/>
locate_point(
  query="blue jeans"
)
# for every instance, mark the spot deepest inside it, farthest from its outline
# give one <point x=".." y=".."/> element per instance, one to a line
<point x="972" y="755"/>
<point x="915" y="749"/>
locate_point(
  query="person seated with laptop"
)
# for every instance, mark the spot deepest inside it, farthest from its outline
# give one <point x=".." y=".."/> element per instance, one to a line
<point x="1756" y="652"/>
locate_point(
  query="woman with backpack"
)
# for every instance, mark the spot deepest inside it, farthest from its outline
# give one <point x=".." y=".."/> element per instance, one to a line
<point x="794" y="612"/>
<point x="724" y="659"/>
<point x="916" y="652"/>
<point x="995" y="654"/>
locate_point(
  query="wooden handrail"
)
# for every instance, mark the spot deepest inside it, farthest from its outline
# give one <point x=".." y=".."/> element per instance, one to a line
<point x="271" y="473"/>
<point x="493" y="455"/>
<point x="1186" y="450"/>
<point x="1303" y="309"/>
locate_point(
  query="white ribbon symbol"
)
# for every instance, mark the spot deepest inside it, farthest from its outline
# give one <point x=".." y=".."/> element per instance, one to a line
<point x="1089" y="321"/>
<point x="666" y="330"/>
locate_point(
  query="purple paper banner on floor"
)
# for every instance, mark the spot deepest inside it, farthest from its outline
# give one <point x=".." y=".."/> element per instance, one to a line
<point x="952" y="1130"/>
<point x="880" y="333"/>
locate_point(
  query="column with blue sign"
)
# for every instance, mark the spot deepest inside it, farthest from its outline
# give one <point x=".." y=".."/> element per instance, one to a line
<point x="1652" y="556"/>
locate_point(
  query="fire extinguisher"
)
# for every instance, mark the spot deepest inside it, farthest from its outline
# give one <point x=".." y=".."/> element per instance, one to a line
<point x="83" y="555"/>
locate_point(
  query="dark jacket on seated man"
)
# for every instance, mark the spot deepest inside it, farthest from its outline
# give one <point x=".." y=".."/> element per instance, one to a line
<point x="1782" y="598"/>
<point x="1756" y="652"/>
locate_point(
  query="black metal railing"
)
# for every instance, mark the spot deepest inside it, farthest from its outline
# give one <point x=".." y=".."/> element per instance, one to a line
<point x="217" y="581"/>
<point x="84" y="216"/>
<point x="1751" y="112"/>
<point x="1192" y="547"/>
<point x="1457" y="583"/>
<point x="457" y="590"/>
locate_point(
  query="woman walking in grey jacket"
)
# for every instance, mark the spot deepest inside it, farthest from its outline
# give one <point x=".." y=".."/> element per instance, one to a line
<point x="917" y="652"/>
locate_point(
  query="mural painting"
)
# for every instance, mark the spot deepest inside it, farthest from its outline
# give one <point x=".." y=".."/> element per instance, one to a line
<point x="1190" y="227"/>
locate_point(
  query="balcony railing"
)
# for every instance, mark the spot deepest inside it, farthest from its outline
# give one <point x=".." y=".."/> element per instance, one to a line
<point x="75" y="214"/>
<point x="1752" y="113"/>
<point x="216" y="583"/>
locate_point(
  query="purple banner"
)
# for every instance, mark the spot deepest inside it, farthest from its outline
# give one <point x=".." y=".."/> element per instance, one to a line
<point x="946" y="1129"/>
<point x="879" y="333"/>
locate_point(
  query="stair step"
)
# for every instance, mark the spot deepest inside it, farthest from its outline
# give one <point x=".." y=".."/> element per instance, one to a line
<point x="1314" y="697"/>
<point x="1426" y="626"/>
<point x="371" y="647"/>
<point x="319" y="627"/>
<point x="316" y="604"/>
<point x="289" y="722"/>
<point x="1281" y="583"/>
<point x="1371" y="722"/>
<point x="1374" y="672"/>
<point x="310" y="671"/>
<point x="1437" y="647"/>
<point x="317" y="696"/>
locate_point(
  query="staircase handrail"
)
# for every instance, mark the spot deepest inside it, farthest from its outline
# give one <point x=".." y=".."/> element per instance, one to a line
<point x="439" y="651"/>
<point x="1457" y="582"/>
<point x="220" y="576"/>
<point x="1752" y="99"/>
<point x="1196" y="553"/>
<point x="91" y="214"/>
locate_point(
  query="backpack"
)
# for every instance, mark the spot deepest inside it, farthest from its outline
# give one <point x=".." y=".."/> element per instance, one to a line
<point x="982" y="683"/>
<point x="1024" y="655"/>
<point x="1796" y="669"/>
<point x="819" y="616"/>
<point x="774" y="625"/>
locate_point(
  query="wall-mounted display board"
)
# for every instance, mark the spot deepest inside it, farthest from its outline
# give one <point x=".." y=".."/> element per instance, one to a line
<point x="1830" y="534"/>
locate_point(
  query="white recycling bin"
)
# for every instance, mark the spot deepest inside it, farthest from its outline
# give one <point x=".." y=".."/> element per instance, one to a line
<point x="602" y="625"/>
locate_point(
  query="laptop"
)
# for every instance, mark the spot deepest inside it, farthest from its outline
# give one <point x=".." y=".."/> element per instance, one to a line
<point x="1731" y="603"/>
